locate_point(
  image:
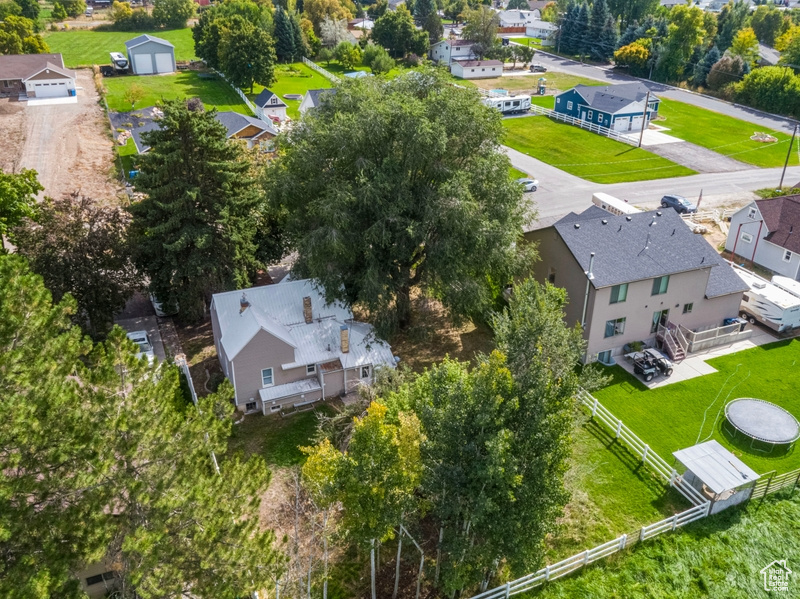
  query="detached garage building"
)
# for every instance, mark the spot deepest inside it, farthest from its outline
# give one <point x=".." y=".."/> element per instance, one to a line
<point x="35" y="76"/>
<point x="149" y="55"/>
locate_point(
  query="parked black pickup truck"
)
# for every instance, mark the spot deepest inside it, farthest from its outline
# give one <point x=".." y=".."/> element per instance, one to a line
<point x="650" y="363"/>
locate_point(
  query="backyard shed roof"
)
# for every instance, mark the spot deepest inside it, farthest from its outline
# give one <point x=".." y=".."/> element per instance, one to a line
<point x="314" y="94"/>
<point x="717" y="467"/>
<point x="235" y="122"/>
<point x="641" y="246"/>
<point x="144" y="38"/>
<point x="265" y="96"/>
<point x="782" y="216"/>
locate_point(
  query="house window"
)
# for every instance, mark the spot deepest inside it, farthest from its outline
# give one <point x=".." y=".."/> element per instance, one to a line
<point x="558" y="100"/>
<point x="604" y="356"/>
<point x="311" y="368"/>
<point x="99" y="578"/>
<point x="458" y="48"/>
<point x="619" y="293"/>
<point x="266" y="378"/>
<point x="599" y="117"/>
<point x="752" y="213"/>
<point x="615" y="327"/>
<point x="552" y="276"/>
<point x="274" y="408"/>
<point x="747" y="238"/>
<point x="6" y="83"/>
<point x="569" y="105"/>
<point x="250" y="406"/>
<point x="482" y="70"/>
<point x="660" y="317"/>
<point x="660" y="285"/>
<point x="687" y="308"/>
<point x="590" y="114"/>
<point x="365" y="372"/>
<point x="787" y="256"/>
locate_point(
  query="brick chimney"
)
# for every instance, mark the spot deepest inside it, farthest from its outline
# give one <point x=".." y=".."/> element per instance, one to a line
<point x="307" y="310"/>
<point x="344" y="333"/>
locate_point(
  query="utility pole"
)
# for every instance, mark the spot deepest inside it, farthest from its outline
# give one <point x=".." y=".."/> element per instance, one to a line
<point x="788" y="155"/>
<point x="644" y="117"/>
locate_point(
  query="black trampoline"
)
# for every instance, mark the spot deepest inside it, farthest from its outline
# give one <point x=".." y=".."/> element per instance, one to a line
<point x="762" y="421"/>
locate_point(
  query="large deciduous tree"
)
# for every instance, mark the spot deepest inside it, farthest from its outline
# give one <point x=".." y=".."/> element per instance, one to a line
<point x="731" y="19"/>
<point x="193" y="233"/>
<point x="632" y="11"/>
<point x="173" y="13"/>
<point x="395" y="185"/>
<point x="319" y="10"/>
<point x="745" y="45"/>
<point x="776" y="89"/>
<point x="396" y="32"/>
<point x="481" y="26"/>
<point x="246" y="54"/>
<point x="766" y="21"/>
<point x="80" y="246"/>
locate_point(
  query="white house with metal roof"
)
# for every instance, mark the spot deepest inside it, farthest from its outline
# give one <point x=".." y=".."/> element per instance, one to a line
<point x="282" y="346"/>
<point x="149" y="55"/>
<point x="270" y="106"/>
<point x="635" y="277"/>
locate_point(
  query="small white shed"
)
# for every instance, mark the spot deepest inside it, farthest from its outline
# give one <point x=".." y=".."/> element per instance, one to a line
<point x="148" y="55"/>
<point x="720" y="476"/>
<point x="476" y="69"/>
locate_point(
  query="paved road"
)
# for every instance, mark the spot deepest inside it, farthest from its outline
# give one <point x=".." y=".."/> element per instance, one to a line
<point x="565" y="65"/>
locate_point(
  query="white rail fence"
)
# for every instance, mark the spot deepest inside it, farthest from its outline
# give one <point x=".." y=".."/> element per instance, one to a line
<point x="629" y="139"/>
<point x="327" y="74"/>
<point x="253" y="108"/>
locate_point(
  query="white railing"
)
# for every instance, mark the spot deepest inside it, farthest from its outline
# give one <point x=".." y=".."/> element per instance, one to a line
<point x="325" y="73"/>
<point x="253" y="108"/>
<point x="589" y="126"/>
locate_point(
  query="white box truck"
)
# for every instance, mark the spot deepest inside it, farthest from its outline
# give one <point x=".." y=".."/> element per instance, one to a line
<point x="769" y="303"/>
<point x="613" y="205"/>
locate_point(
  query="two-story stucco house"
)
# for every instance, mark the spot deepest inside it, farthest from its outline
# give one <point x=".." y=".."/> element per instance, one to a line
<point x="768" y="233"/>
<point x="618" y="107"/>
<point x="626" y="275"/>
<point x="281" y="346"/>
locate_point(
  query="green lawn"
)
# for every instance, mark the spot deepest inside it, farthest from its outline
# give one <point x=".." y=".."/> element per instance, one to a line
<point x="127" y="156"/>
<point x="213" y="90"/>
<point x="724" y="134"/>
<point x="530" y="83"/>
<point x="533" y="42"/>
<point x="85" y="47"/>
<point x="295" y="78"/>
<point x="585" y="154"/>
<point x="715" y="557"/>
<point x="671" y="417"/>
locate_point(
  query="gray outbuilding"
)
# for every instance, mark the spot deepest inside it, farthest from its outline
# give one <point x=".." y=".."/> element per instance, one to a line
<point x="148" y="55"/>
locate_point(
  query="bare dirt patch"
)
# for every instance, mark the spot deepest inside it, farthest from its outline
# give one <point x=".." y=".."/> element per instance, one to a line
<point x="67" y="144"/>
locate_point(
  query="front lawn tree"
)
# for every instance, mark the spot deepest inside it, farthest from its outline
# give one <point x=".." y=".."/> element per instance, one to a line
<point x="246" y="54"/>
<point x="396" y="32"/>
<point x="386" y="192"/>
<point x="194" y="232"/>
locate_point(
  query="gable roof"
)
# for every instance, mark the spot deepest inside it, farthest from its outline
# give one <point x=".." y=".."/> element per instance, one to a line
<point x="313" y="95"/>
<point x="782" y="216"/>
<point x="479" y="63"/>
<point x="235" y="122"/>
<point x="610" y="98"/>
<point x="641" y="246"/>
<point x="264" y="97"/>
<point x="278" y="310"/>
<point x="23" y="66"/>
<point x="538" y="4"/>
<point x="458" y="43"/>
<point x="55" y="68"/>
<point x="141" y="39"/>
<point x="544" y="25"/>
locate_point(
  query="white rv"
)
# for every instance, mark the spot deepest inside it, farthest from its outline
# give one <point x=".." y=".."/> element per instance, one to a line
<point x="769" y="303"/>
<point x="509" y="104"/>
<point x="613" y="205"/>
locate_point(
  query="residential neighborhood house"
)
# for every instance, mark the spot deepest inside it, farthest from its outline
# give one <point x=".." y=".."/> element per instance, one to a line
<point x="149" y="55"/>
<point x="313" y="98"/>
<point x="516" y="19"/>
<point x="446" y="51"/>
<point x="282" y="346"/>
<point x="618" y="107"/>
<point x="544" y="30"/>
<point x="476" y="69"/>
<point x="764" y="232"/>
<point x="537" y="6"/>
<point x="35" y="76"/>
<point x="269" y="105"/>
<point x="629" y="276"/>
<point x="255" y="131"/>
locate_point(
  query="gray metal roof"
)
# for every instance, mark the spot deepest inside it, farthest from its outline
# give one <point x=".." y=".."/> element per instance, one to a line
<point x="610" y="98"/>
<point x="642" y="246"/>
<point x="141" y="39"/>
<point x="717" y="467"/>
<point x="235" y="122"/>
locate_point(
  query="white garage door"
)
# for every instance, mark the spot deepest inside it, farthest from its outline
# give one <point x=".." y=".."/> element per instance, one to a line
<point x="50" y="90"/>
<point x="164" y="62"/>
<point x="142" y="64"/>
<point x="621" y="124"/>
<point x="636" y="123"/>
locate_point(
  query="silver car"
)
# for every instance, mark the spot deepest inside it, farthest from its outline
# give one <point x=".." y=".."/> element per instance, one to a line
<point x="142" y="339"/>
<point x="528" y="184"/>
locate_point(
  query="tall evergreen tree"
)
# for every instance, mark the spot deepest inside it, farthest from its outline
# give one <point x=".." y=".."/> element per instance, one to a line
<point x="284" y="36"/>
<point x="422" y="10"/>
<point x="593" y="43"/>
<point x="193" y="233"/>
<point x="731" y="19"/>
<point x="703" y="68"/>
<point x="300" y="45"/>
<point x="607" y="44"/>
<point x="566" y="35"/>
<point x="582" y="36"/>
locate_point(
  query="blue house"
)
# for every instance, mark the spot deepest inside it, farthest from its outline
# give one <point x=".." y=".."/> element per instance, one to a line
<point x="617" y="107"/>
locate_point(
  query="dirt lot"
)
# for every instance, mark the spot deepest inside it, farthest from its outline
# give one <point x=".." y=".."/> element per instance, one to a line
<point x="67" y="144"/>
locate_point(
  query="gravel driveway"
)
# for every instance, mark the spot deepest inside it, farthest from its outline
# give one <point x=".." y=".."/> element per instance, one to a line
<point x="67" y="144"/>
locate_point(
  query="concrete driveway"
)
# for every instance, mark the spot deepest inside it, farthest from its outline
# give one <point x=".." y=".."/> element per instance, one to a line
<point x="149" y="324"/>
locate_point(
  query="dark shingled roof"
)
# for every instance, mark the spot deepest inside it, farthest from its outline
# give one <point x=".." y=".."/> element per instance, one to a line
<point x="610" y="98"/>
<point x="314" y="94"/>
<point x="235" y="122"/>
<point x="262" y="99"/>
<point x="642" y="246"/>
<point x="21" y="66"/>
<point x="782" y="217"/>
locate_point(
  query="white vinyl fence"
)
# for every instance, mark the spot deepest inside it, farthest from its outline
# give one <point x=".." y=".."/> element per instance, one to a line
<point x="630" y="138"/>
<point x="320" y="70"/>
<point x="253" y="108"/>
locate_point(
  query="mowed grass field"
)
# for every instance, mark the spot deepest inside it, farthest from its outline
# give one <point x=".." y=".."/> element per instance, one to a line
<point x="724" y="134"/>
<point x="676" y="416"/>
<point x="213" y="90"/>
<point x="585" y="154"/>
<point x="85" y="47"/>
<point x="530" y="83"/>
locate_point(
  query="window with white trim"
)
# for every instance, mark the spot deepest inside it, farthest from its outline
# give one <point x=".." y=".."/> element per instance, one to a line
<point x="311" y="368"/>
<point x="569" y="105"/>
<point x="599" y="117"/>
<point x="590" y="114"/>
<point x="752" y="213"/>
<point x="365" y="372"/>
<point x="747" y="238"/>
<point x="687" y="308"/>
<point x="266" y="378"/>
<point x="787" y="256"/>
<point x="250" y="406"/>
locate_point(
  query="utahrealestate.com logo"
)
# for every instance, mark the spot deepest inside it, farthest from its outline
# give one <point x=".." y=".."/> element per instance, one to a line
<point x="776" y="576"/>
